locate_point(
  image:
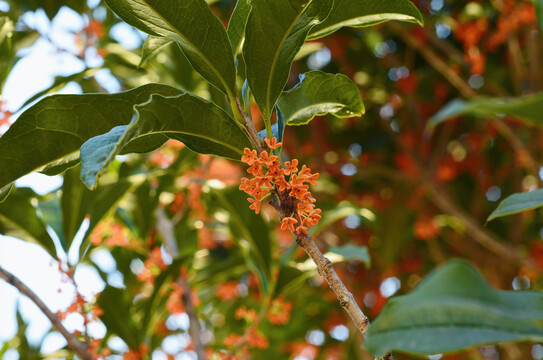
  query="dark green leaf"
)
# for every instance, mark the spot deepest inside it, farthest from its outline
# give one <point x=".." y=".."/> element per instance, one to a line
<point x="50" y="209"/>
<point x="360" y="13"/>
<point x="58" y="125"/>
<point x="118" y="315"/>
<point x="236" y="25"/>
<point x="208" y="50"/>
<point x="18" y="218"/>
<point x="201" y="125"/>
<point x="539" y="12"/>
<point x="517" y="203"/>
<point x="4" y="192"/>
<point x="452" y="309"/>
<point x="352" y="252"/>
<point x="527" y="108"/>
<point x="249" y="231"/>
<point x="75" y="202"/>
<point x="61" y="165"/>
<point x="319" y="93"/>
<point x="274" y="34"/>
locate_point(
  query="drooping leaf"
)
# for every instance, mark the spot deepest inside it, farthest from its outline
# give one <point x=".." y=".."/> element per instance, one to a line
<point x="275" y="32"/>
<point x="361" y="13"/>
<point x="319" y="93"/>
<point x="527" y="108"/>
<point x="58" y="125"/>
<point x="152" y="46"/>
<point x="236" y="25"/>
<point x="18" y="218"/>
<point x="517" y="203"/>
<point x="201" y="125"/>
<point x="452" y="309"/>
<point x="351" y="252"/>
<point x="208" y="50"/>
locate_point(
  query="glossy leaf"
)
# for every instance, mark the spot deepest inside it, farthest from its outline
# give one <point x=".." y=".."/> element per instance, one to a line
<point x="351" y="252"/>
<point x="275" y="32"/>
<point x="319" y="93"/>
<point x="201" y="125"/>
<point x="58" y="125"/>
<point x="152" y="46"/>
<point x="527" y="108"/>
<point x="452" y="309"/>
<point x="236" y="25"/>
<point x="18" y="218"/>
<point x="361" y="13"/>
<point x="517" y="203"/>
<point x="59" y="166"/>
<point x="208" y="51"/>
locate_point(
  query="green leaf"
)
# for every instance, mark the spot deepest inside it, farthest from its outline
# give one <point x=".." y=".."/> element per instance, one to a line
<point x="527" y="108"/>
<point x="342" y="210"/>
<point x="59" y="166"/>
<point x="275" y="32"/>
<point x="452" y="309"/>
<point x="4" y="192"/>
<point x="517" y="203"/>
<point x="201" y="125"/>
<point x="361" y="13"/>
<point x="319" y="93"/>
<point x="539" y="12"/>
<point x="236" y="25"/>
<point x="119" y="314"/>
<point x="249" y="231"/>
<point x="58" y="125"/>
<point x="152" y="46"/>
<point x="192" y="24"/>
<point x="351" y="252"/>
<point x="50" y="210"/>
<point x="18" y="218"/>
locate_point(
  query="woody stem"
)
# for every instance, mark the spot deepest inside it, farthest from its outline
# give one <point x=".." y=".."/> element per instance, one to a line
<point x="73" y="343"/>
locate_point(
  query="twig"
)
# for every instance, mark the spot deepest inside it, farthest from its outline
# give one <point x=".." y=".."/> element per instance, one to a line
<point x="166" y="229"/>
<point x="194" y="328"/>
<point x="73" y="343"/>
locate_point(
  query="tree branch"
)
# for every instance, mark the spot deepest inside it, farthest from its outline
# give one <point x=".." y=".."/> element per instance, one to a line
<point x="73" y="343"/>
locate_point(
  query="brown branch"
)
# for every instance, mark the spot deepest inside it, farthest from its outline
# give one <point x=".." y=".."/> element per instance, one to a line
<point x="73" y="343"/>
<point x="166" y="228"/>
<point x="326" y="270"/>
<point x="194" y="328"/>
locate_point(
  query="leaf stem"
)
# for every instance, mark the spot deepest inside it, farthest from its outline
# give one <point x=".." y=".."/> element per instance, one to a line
<point x="73" y="343"/>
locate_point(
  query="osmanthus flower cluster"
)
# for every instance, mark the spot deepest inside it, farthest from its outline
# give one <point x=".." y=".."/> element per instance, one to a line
<point x="286" y="182"/>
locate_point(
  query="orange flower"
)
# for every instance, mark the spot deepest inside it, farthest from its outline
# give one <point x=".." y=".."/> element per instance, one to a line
<point x="290" y="167"/>
<point x="279" y="312"/>
<point x="227" y="291"/>
<point x="250" y="156"/>
<point x="273" y="144"/>
<point x="289" y="223"/>
<point x="256" y="204"/>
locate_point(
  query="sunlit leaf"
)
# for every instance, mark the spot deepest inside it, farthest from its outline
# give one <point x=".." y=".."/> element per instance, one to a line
<point x="58" y="125"/>
<point x="319" y="93"/>
<point x="207" y="49"/>
<point x="453" y="309"/>
<point x="201" y="125"/>
<point x="360" y="13"/>
<point x="236" y="25"/>
<point x="274" y="34"/>
<point x="351" y="252"/>
<point x="152" y="46"/>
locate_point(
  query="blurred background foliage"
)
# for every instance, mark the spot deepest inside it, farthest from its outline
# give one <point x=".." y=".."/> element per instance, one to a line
<point x="398" y="199"/>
